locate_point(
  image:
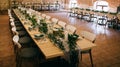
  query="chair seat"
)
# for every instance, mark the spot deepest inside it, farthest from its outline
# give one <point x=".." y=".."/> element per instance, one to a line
<point x="86" y="51"/>
<point x="19" y="28"/>
<point x="22" y="33"/>
<point x="28" y="52"/>
<point x="18" y="24"/>
<point x="25" y="40"/>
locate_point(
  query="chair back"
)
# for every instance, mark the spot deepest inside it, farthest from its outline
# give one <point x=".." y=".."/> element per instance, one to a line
<point x="11" y="19"/>
<point x="14" y="31"/>
<point x="48" y="17"/>
<point x="15" y="40"/>
<point x="89" y="36"/>
<point x="39" y="13"/>
<point x="54" y="20"/>
<point x="62" y="24"/>
<point x="12" y="24"/>
<point x="71" y="29"/>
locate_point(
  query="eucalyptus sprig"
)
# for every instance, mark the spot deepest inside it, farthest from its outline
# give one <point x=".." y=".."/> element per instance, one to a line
<point x="59" y="33"/>
<point x="72" y="38"/>
<point x="42" y="21"/>
<point x="60" y="44"/>
<point x="43" y="28"/>
<point x="56" y="41"/>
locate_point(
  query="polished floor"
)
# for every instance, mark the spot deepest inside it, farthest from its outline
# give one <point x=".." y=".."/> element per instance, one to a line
<point x="7" y="57"/>
<point x="105" y="54"/>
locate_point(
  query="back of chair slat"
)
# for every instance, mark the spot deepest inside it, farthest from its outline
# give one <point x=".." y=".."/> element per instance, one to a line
<point x="48" y="17"/>
<point x="15" y="40"/>
<point x="62" y="24"/>
<point x="54" y="20"/>
<point x="87" y="35"/>
<point x="14" y="32"/>
<point x="71" y="29"/>
<point x="12" y="24"/>
<point x="43" y="15"/>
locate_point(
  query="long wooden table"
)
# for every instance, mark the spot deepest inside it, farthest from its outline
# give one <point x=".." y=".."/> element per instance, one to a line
<point x="49" y="50"/>
<point x="46" y="46"/>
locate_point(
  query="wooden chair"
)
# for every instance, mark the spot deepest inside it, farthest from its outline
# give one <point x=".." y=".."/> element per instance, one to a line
<point x="87" y="35"/>
<point x="28" y="54"/>
<point x="91" y="37"/>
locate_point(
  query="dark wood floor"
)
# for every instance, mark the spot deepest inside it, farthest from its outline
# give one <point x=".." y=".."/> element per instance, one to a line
<point x="7" y="57"/>
<point x="105" y="54"/>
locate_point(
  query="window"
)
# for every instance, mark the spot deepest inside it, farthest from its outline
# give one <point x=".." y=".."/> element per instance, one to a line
<point x="72" y="3"/>
<point x="101" y="5"/>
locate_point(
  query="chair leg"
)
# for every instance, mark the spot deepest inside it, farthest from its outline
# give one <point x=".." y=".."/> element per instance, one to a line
<point x="20" y="62"/>
<point x="81" y="56"/>
<point x="36" y="64"/>
<point x="17" y="60"/>
<point x="91" y="58"/>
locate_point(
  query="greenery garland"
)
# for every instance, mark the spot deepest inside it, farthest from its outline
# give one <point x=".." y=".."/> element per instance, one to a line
<point x="56" y="41"/>
<point x="72" y="38"/>
<point x="59" y="33"/>
<point x="27" y="16"/>
<point x="43" y="27"/>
